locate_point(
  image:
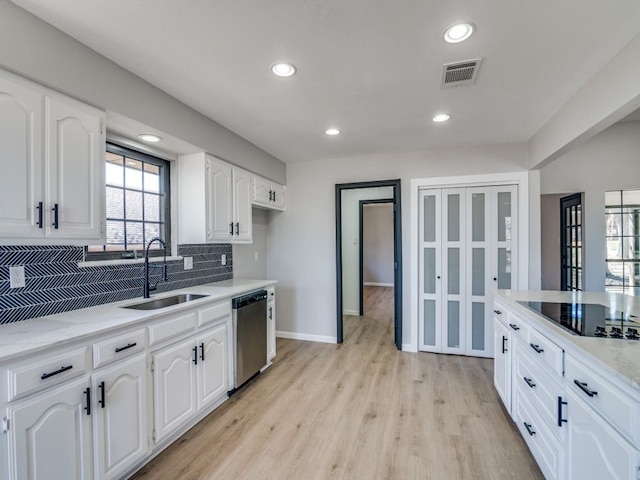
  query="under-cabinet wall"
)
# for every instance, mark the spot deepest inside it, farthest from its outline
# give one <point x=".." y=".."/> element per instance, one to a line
<point x="55" y="283"/>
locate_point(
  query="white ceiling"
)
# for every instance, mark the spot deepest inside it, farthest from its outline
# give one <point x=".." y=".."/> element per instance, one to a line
<point x="369" y="67"/>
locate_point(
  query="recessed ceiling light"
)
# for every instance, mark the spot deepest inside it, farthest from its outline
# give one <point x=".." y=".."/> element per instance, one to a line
<point x="332" y="131"/>
<point x="459" y="32"/>
<point x="442" y="117"/>
<point x="149" y="137"/>
<point x="283" y="69"/>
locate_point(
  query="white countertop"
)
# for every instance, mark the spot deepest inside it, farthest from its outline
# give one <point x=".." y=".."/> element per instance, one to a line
<point x="40" y="334"/>
<point x="620" y="358"/>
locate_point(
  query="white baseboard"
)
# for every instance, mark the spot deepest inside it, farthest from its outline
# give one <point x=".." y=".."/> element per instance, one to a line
<point x="353" y="313"/>
<point x="307" y="337"/>
<point x="374" y="284"/>
<point x="407" y="347"/>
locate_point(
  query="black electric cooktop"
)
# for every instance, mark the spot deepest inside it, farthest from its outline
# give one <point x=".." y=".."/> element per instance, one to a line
<point x="589" y="319"/>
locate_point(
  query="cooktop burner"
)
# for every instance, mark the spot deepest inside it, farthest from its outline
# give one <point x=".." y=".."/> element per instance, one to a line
<point x="589" y="319"/>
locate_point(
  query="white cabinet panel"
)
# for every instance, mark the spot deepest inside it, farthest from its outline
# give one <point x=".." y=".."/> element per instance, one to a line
<point x="502" y="363"/>
<point x="220" y="202"/>
<point x="212" y="369"/>
<point x="121" y="429"/>
<point x="267" y="194"/>
<point x="50" y="434"/>
<point x="242" y="206"/>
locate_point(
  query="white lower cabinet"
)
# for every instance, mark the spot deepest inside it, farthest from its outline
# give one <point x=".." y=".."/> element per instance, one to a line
<point x="189" y="376"/>
<point x="502" y="363"/>
<point x="50" y="434"/>
<point x="120" y="420"/>
<point x="595" y="449"/>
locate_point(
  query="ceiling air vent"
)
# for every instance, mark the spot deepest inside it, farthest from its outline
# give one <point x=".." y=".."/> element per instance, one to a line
<point x="460" y="73"/>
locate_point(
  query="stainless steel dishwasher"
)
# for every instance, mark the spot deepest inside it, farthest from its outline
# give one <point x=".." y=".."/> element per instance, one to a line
<point x="250" y="333"/>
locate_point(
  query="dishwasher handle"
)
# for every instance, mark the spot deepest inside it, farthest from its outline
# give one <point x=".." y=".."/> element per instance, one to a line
<point x="248" y="299"/>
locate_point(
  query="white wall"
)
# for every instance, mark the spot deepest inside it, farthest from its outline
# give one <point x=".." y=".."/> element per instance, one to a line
<point x="245" y="264"/>
<point x="351" y="245"/>
<point x="377" y="244"/>
<point x="36" y="50"/>
<point x="609" y="161"/>
<point x="550" y="240"/>
<point x="302" y="239"/>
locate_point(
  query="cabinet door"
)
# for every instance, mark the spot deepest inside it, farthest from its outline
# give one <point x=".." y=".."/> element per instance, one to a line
<point x="278" y="192"/>
<point x="502" y="363"/>
<point x="271" y="326"/>
<point x="453" y="271"/>
<point x="219" y="202"/>
<point x="595" y="450"/>
<point x="174" y="387"/>
<point x="50" y="435"/>
<point x="213" y="365"/>
<point x="242" y="206"/>
<point x="120" y="428"/>
<point x="20" y="158"/>
<point x="430" y="327"/>
<point x="75" y="170"/>
<point x="262" y="192"/>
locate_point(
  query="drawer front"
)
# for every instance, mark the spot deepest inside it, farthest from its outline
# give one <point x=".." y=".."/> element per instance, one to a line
<point x="543" y="390"/>
<point x="500" y="312"/>
<point x="33" y="375"/>
<point x="616" y="406"/>
<point x="518" y="327"/>
<point x="118" y="347"/>
<point x="544" y="446"/>
<point x="166" y="329"/>
<point x="214" y="313"/>
<point x="544" y="350"/>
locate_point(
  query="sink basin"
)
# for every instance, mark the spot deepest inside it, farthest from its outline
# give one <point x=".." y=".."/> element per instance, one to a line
<point x="165" y="302"/>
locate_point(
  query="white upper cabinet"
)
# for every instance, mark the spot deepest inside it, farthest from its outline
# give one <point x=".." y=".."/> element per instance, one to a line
<point x="51" y="156"/>
<point x="267" y="194"/>
<point x="214" y="201"/>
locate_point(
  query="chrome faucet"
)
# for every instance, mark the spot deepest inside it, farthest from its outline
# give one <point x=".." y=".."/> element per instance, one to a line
<point x="146" y="287"/>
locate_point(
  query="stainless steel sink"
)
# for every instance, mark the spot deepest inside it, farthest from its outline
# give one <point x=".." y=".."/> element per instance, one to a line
<point x="165" y="302"/>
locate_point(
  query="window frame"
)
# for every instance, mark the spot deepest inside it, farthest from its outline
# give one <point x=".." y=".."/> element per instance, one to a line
<point x="633" y="263"/>
<point x="164" y="191"/>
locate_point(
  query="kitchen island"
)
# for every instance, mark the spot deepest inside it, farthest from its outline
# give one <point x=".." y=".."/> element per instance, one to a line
<point x="574" y="398"/>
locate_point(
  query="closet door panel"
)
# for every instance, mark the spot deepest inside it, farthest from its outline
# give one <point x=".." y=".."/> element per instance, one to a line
<point x="430" y="217"/>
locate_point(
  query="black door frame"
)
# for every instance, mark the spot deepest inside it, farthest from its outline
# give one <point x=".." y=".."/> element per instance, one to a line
<point x="566" y="262"/>
<point x="397" y="253"/>
<point x="361" y="235"/>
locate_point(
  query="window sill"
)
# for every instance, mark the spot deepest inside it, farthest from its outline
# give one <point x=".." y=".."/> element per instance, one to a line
<point x="124" y="261"/>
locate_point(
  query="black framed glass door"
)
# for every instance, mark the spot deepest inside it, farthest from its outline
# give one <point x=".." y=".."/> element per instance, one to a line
<point x="571" y="251"/>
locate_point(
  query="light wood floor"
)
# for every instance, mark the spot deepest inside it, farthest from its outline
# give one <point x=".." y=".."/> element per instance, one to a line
<point x="360" y="410"/>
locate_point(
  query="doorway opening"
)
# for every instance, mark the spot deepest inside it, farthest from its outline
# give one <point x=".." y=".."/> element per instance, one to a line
<point x="348" y="210"/>
<point x="571" y="252"/>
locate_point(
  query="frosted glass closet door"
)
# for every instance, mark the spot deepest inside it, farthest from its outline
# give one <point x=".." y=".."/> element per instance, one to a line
<point x="479" y="251"/>
<point x="429" y="309"/>
<point x="505" y="266"/>
<point x="453" y="271"/>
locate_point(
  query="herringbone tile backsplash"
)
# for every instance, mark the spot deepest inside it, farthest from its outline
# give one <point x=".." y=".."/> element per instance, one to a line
<point x="55" y="283"/>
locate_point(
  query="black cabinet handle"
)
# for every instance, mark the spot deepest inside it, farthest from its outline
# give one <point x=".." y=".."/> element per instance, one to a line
<point x="270" y="313"/>
<point x="560" y="404"/>
<point x="585" y="388"/>
<point x="126" y="347"/>
<point x="195" y="354"/>
<point x="231" y="228"/>
<point x="274" y="195"/>
<point x="55" y="216"/>
<point x="529" y="382"/>
<point x="504" y="348"/>
<point x="497" y="312"/>
<point x="270" y="195"/>
<point x="40" y="212"/>
<point x="101" y="401"/>
<point x="529" y="429"/>
<point x="87" y="394"/>
<point x="514" y="326"/>
<point x="237" y="228"/>
<point x="51" y="374"/>
<point x="536" y="348"/>
<point x="202" y="351"/>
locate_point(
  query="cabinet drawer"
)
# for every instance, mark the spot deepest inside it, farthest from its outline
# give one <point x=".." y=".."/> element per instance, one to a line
<point x="544" y="446"/>
<point x="543" y="390"/>
<point x="117" y="347"/>
<point x="500" y="312"/>
<point x="516" y="325"/>
<point x="214" y="313"/>
<point x="544" y="350"/>
<point x="615" y="405"/>
<point x="36" y="374"/>
<point x="165" y="329"/>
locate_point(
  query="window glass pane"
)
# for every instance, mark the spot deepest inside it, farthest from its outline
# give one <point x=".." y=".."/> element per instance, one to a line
<point x="114" y="170"/>
<point x="134" y="235"/>
<point x="477" y="217"/>
<point x="504" y="216"/>
<point x="429" y="322"/>
<point x="430" y="218"/>
<point x="134" y="205"/>
<point x="453" y="220"/>
<point x="453" y="324"/>
<point x="115" y="202"/>
<point x="115" y="233"/>
<point x="152" y="230"/>
<point x="612" y="199"/>
<point x="133" y="174"/>
<point x="152" y="207"/>
<point x="151" y="178"/>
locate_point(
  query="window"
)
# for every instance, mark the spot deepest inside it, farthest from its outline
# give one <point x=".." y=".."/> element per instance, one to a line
<point x="137" y="192"/>
<point x="622" y="211"/>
